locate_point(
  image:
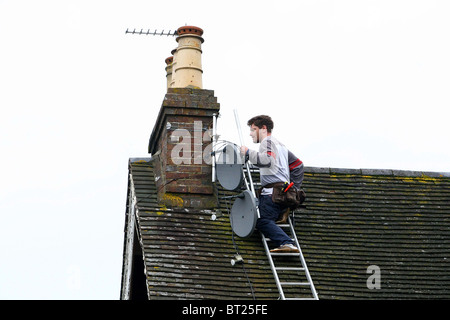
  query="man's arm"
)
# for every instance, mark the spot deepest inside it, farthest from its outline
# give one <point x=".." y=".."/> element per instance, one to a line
<point x="296" y="170"/>
<point x="265" y="157"/>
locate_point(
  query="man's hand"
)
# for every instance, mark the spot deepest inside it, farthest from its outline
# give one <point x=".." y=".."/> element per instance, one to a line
<point x="244" y="150"/>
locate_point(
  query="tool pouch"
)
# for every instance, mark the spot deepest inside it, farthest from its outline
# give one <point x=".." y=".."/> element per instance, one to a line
<point x="292" y="198"/>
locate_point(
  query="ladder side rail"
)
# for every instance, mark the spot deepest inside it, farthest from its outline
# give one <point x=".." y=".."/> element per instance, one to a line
<point x="272" y="266"/>
<point x="303" y="262"/>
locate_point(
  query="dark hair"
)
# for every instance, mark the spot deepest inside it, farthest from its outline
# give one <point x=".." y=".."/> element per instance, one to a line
<point x="260" y="121"/>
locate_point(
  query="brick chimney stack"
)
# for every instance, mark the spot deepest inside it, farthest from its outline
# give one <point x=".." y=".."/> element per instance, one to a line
<point x="181" y="139"/>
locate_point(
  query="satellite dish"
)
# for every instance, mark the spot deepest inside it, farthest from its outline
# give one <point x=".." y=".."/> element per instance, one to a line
<point x="229" y="167"/>
<point x="244" y="214"/>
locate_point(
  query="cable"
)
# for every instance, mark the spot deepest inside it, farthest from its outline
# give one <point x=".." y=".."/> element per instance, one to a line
<point x="237" y="251"/>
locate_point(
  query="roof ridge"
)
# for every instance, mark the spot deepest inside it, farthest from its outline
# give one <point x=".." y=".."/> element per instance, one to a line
<point x="378" y="172"/>
<point x="362" y="171"/>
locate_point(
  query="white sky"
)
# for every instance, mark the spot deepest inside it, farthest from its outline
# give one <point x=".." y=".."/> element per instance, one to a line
<point x="349" y="84"/>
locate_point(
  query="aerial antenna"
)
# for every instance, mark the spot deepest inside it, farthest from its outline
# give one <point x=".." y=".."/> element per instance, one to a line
<point x="152" y="33"/>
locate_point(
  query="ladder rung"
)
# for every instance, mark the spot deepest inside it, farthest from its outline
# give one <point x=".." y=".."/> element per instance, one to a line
<point x="285" y="254"/>
<point x="300" y="299"/>
<point x="294" y="283"/>
<point x="268" y="239"/>
<point x="283" y="225"/>
<point x="290" y="268"/>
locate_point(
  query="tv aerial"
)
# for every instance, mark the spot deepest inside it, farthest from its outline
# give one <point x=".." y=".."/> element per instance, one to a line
<point x="152" y="33"/>
<point x="229" y="171"/>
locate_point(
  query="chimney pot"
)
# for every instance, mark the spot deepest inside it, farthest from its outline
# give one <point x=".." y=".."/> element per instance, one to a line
<point x="169" y="60"/>
<point x="169" y="71"/>
<point x="190" y="30"/>
<point x="187" y="62"/>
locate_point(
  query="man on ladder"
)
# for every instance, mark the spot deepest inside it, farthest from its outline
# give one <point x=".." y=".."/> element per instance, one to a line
<point x="280" y="169"/>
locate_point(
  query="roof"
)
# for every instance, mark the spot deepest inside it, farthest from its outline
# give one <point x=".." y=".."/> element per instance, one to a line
<point x="397" y="221"/>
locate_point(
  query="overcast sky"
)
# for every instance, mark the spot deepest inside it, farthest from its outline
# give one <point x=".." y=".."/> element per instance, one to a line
<point x="349" y="84"/>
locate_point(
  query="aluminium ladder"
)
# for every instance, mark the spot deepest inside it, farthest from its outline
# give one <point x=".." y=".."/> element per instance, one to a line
<point x="285" y="286"/>
<point x="292" y="272"/>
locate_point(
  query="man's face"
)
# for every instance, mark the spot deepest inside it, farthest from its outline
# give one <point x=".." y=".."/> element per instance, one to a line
<point x="257" y="133"/>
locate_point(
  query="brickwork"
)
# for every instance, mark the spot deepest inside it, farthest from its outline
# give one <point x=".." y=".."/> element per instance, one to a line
<point x="181" y="141"/>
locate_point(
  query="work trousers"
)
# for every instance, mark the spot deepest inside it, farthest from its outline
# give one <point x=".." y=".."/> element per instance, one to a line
<point x="269" y="213"/>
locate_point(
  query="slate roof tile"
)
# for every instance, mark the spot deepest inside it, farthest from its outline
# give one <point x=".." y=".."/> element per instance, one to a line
<point x="353" y="219"/>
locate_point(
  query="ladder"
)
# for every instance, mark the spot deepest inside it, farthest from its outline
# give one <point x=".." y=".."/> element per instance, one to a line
<point x="303" y="288"/>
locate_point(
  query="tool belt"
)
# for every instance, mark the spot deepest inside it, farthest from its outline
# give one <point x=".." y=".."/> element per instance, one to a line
<point x="291" y="198"/>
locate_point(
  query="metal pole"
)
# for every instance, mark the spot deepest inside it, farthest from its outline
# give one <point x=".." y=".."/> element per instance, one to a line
<point x="213" y="152"/>
<point x="238" y="125"/>
<point x="236" y="117"/>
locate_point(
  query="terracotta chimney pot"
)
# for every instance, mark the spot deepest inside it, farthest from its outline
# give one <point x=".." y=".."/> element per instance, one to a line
<point x="174" y="65"/>
<point x="190" y="30"/>
<point x="169" y="62"/>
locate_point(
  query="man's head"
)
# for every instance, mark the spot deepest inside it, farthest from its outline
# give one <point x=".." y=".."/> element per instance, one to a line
<point x="260" y="127"/>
